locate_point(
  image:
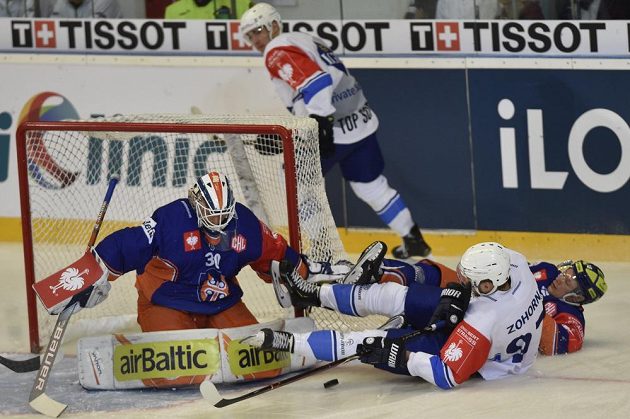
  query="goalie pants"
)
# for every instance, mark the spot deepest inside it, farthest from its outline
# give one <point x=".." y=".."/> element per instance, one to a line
<point x="154" y="318"/>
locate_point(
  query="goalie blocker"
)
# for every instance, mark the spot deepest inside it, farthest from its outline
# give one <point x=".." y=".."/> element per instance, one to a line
<point x="185" y="357"/>
<point x="85" y="281"/>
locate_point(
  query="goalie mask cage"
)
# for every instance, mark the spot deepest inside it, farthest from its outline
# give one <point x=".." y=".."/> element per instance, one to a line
<point x="272" y="163"/>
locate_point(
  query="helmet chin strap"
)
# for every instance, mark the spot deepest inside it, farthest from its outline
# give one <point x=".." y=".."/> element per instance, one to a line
<point x="571" y="294"/>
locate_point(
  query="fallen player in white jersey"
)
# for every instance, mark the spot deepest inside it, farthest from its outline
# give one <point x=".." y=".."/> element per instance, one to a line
<point x="496" y="335"/>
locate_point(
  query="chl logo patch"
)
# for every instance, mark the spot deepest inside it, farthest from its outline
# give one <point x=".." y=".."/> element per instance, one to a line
<point x="192" y="241"/>
<point x="239" y="243"/>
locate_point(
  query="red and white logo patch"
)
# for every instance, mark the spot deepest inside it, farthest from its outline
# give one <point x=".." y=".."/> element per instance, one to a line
<point x="541" y="275"/>
<point x="192" y="241"/>
<point x="551" y="309"/>
<point x="239" y="243"/>
<point x="465" y="351"/>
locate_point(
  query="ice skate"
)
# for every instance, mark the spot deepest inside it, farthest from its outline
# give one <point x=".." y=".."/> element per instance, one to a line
<point x="368" y="268"/>
<point x="303" y="294"/>
<point x="413" y="245"/>
<point x="273" y="340"/>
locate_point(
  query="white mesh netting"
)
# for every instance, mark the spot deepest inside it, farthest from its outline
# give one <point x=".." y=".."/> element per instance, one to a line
<point x="68" y="172"/>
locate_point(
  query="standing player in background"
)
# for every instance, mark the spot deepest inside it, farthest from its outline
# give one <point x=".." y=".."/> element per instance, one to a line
<point x="187" y="256"/>
<point x="498" y="336"/>
<point x="312" y="81"/>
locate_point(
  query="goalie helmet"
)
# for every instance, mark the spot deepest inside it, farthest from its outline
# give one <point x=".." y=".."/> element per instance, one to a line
<point x="213" y="200"/>
<point x="486" y="261"/>
<point x="260" y="15"/>
<point x="590" y="279"/>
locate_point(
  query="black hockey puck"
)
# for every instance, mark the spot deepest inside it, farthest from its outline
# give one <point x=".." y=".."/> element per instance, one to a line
<point x="331" y="383"/>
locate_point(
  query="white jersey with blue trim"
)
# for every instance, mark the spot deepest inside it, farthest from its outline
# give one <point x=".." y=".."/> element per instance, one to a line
<point x="512" y="320"/>
<point x="498" y="337"/>
<point x="310" y="79"/>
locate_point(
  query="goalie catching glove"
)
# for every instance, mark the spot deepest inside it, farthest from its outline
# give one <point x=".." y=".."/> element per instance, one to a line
<point x="326" y="137"/>
<point x="380" y="350"/>
<point x="84" y="282"/>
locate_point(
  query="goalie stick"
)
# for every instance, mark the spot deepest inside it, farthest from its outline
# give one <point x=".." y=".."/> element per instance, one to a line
<point x="210" y="393"/>
<point x="22" y="365"/>
<point x="38" y="399"/>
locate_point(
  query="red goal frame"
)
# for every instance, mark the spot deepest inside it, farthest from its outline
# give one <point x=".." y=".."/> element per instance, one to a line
<point x="22" y="166"/>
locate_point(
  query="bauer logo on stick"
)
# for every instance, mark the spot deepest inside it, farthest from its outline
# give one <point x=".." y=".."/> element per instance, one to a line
<point x="69" y="281"/>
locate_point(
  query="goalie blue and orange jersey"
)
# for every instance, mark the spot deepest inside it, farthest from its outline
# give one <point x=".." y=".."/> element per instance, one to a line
<point x="181" y="267"/>
<point x="563" y="326"/>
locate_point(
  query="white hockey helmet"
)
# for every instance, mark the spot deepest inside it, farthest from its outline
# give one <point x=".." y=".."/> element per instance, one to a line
<point x="486" y="261"/>
<point x="213" y="200"/>
<point x="259" y="15"/>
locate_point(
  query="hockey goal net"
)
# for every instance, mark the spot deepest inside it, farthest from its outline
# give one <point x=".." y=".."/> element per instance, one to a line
<point x="272" y="163"/>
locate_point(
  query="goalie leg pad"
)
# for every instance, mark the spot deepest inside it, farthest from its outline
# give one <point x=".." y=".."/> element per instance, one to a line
<point x="184" y="357"/>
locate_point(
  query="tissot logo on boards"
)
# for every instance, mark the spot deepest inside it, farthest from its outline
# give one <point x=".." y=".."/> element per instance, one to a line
<point x="438" y="36"/>
<point x="38" y="33"/>
<point x="224" y="36"/>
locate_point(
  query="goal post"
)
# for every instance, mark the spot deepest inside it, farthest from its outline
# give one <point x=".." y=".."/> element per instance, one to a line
<point x="272" y="163"/>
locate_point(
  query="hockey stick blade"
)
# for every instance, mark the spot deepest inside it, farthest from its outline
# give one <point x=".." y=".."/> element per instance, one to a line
<point x="209" y="392"/>
<point x="47" y="406"/>
<point x="24" y="365"/>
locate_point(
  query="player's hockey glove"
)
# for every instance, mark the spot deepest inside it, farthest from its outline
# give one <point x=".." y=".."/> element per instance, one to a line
<point x="379" y="350"/>
<point x="454" y="301"/>
<point x="326" y="137"/>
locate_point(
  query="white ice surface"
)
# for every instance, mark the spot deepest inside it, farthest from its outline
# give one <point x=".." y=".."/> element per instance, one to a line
<point x="592" y="383"/>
